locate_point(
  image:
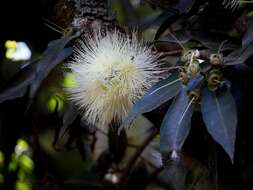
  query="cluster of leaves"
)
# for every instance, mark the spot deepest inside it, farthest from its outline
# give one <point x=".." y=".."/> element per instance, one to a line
<point x="199" y="81"/>
<point x="194" y="85"/>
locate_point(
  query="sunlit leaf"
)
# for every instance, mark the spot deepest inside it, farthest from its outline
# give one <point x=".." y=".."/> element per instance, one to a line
<point x="21" y="185"/>
<point x="176" y="124"/>
<point x="26" y="163"/>
<point x="88" y="182"/>
<point x="212" y="41"/>
<point x="220" y="116"/>
<point x="55" y="103"/>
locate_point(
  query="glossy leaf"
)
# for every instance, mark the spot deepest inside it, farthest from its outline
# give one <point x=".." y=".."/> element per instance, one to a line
<point x="156" y="96"/>
<point x="220" y="116"/>
<point x="176" y="124"/>
<point x="166" y="5"/>
<point x="212" y="41"/>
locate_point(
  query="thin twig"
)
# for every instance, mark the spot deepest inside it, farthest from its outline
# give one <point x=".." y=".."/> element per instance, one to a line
<point x="133" y="160"/>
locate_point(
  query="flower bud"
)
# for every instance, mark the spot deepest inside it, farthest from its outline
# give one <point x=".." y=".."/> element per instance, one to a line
<point x="216" y="59"/>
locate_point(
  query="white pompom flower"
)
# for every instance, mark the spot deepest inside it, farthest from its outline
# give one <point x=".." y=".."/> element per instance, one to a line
<point x="111" y="72"/>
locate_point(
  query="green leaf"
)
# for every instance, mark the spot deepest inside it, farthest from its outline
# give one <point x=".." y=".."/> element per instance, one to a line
<point x="176" y="124"/>
<point x="220" y="116"/>
<point x="156" y="96"/>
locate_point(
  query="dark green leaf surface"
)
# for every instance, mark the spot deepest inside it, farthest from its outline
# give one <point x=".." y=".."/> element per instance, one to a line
<point x="176" y="124"/>
<point x="220" y="116"/>
<point x="156" y="96"/>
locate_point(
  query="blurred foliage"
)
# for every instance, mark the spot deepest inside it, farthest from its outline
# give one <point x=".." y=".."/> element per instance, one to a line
<point x="21" y="164"/>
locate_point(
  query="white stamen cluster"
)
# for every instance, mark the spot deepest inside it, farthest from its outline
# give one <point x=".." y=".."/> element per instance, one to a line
<point x="112" y="71"/>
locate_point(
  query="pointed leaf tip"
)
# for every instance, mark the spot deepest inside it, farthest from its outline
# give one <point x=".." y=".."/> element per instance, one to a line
<point x="220" y="116"/>
<point x="176" y="124"/>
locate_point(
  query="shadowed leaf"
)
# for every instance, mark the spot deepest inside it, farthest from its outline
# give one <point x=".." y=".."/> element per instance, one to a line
<point x="248" y="36"/>
<point x="46" y="65"/>
<point x="184" y="5"/>
<point x="32" y="75"/>
<point x="239" y="56"/>
<point x="195" y="82"/>
<point x="18" y="85"/>
<point x="117" y="143"/>
<point x="166" y="24"/>
<point x="68" y="118"/>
